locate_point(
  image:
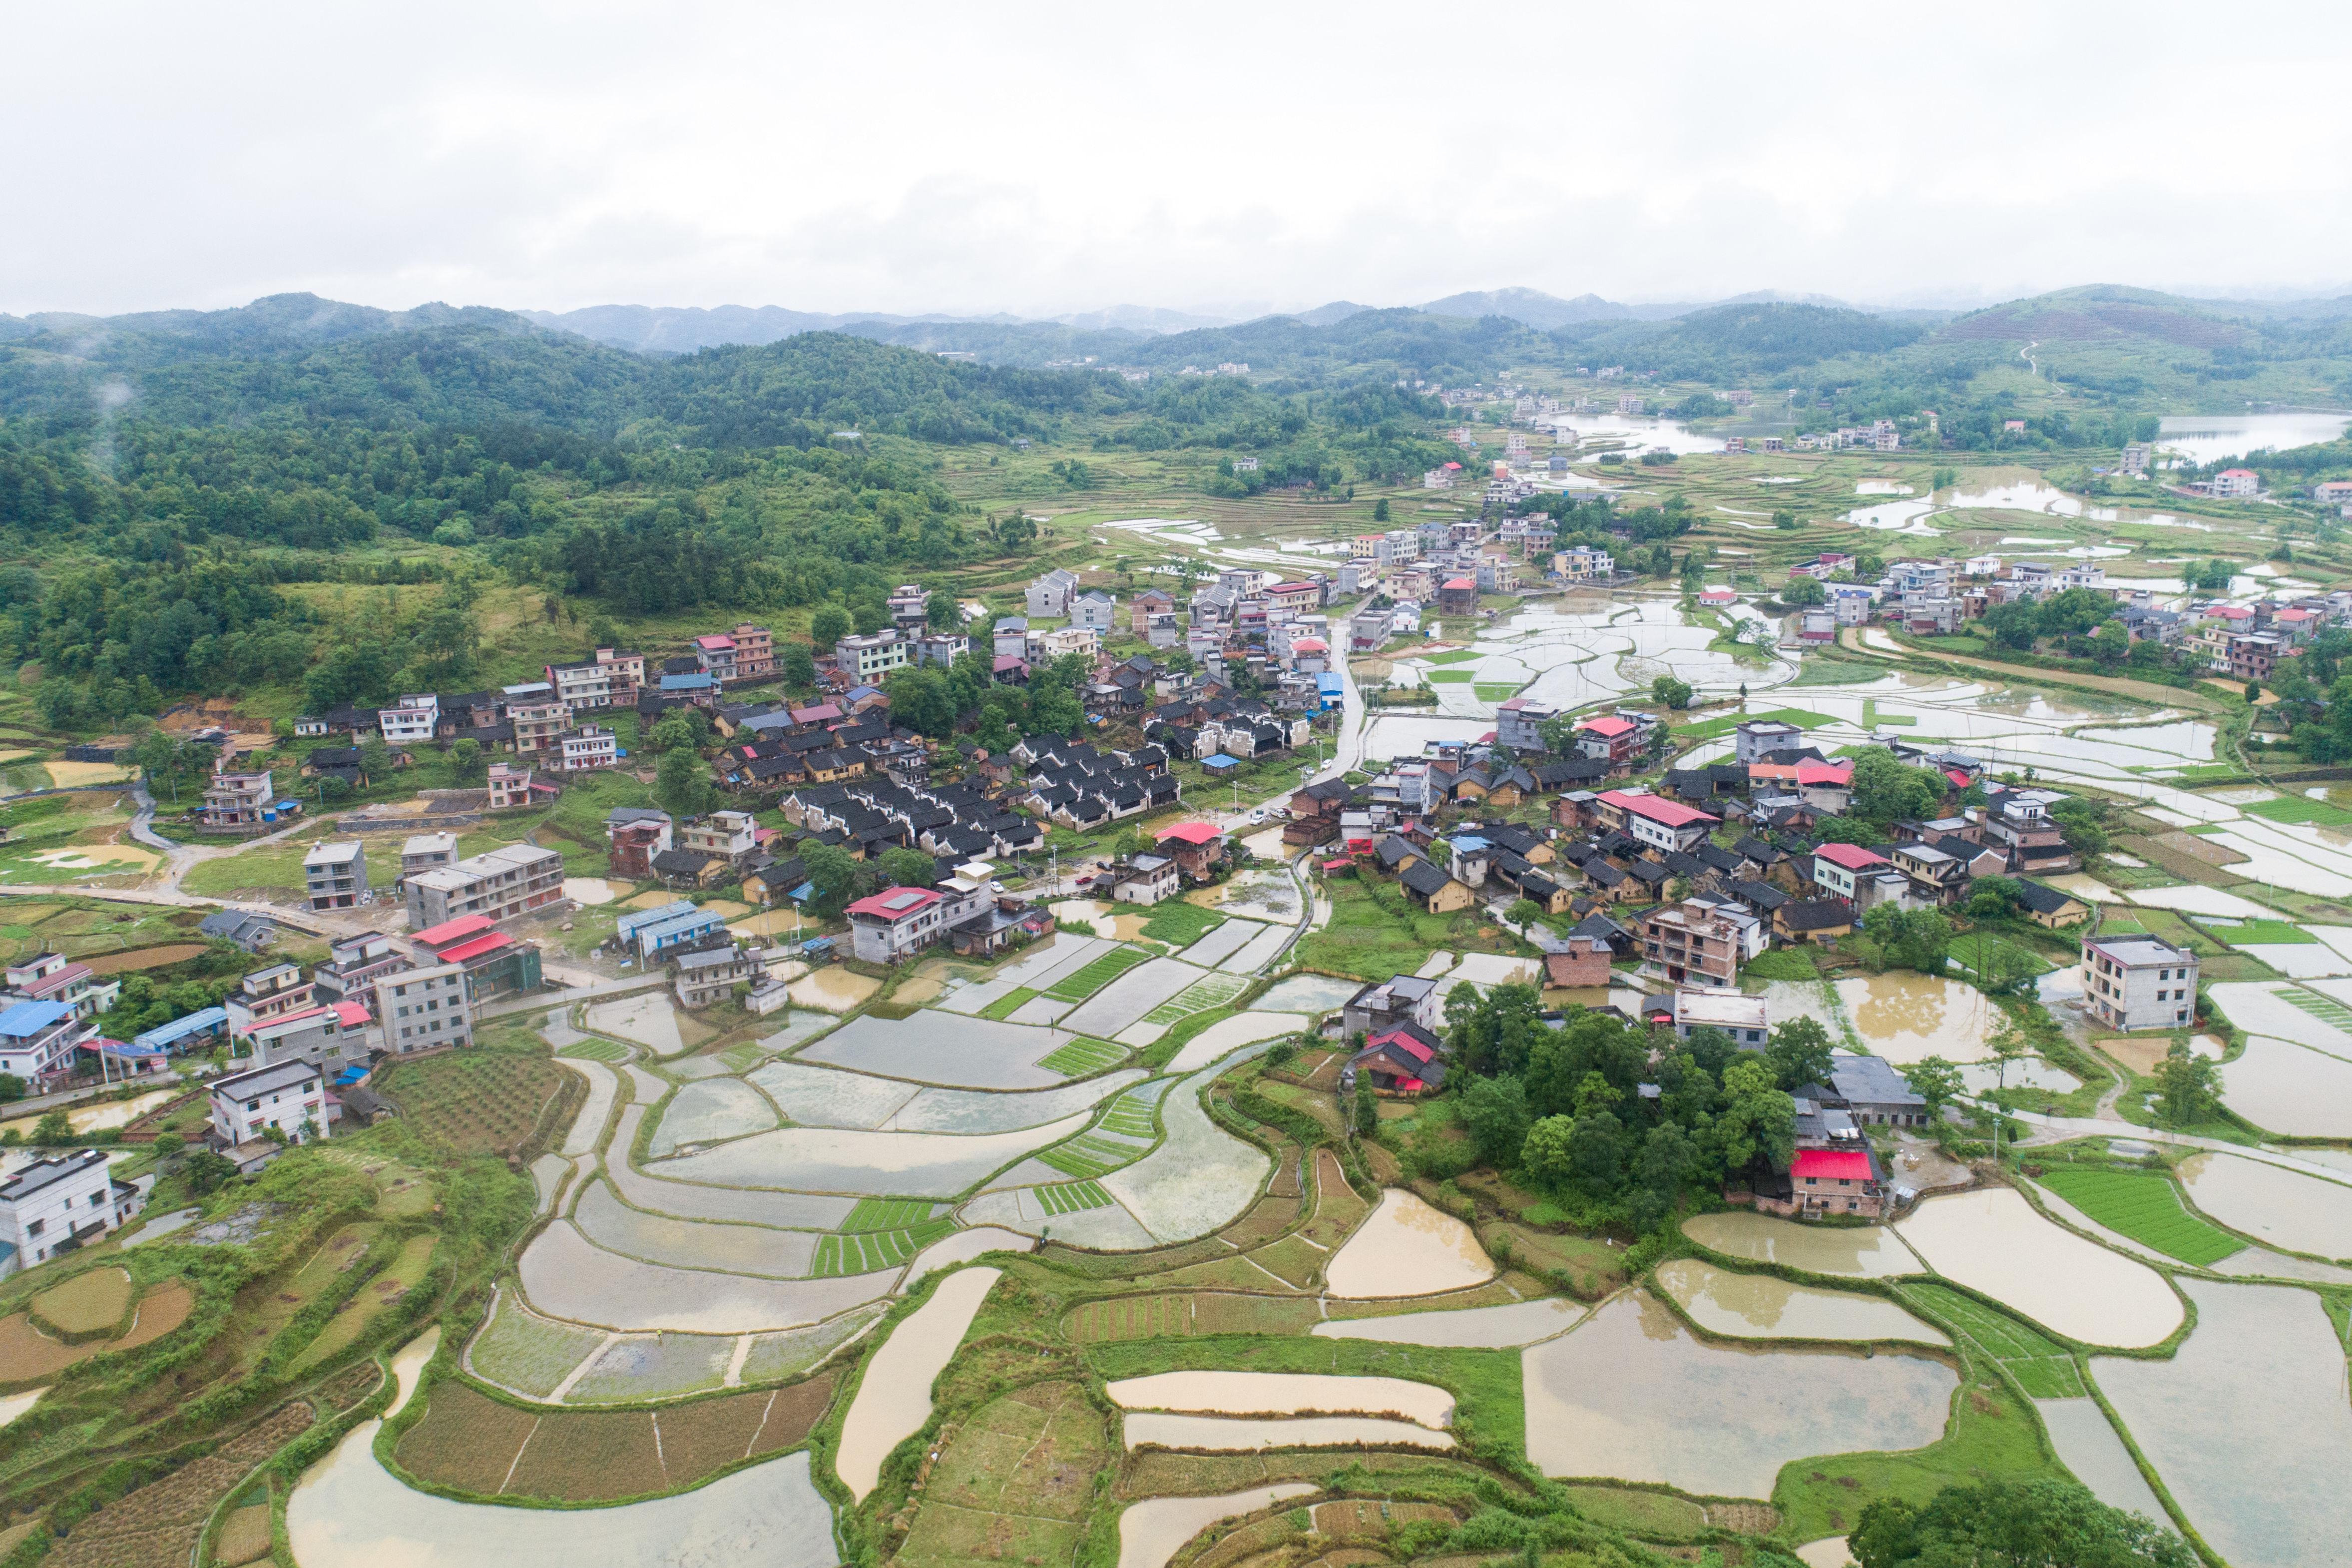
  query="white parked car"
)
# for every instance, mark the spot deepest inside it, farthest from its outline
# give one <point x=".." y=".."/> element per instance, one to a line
<point x="1257" y="817"/>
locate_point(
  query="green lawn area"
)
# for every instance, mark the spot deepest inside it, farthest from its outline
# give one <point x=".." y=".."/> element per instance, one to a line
<point x="1368" y="941"/>
<point x="1782" y="964"/>
<point x="887" y="1214"/>
<point x="280" y="865"/>
<point x="1012" y="1002"/>
<point x="1494" y="691"/>
<point x="2144" y="1207"/>
<point x="2298" y="808"/>
<point x="1450" y="677"/>
<point x="1083" y="983"/>
<point x="1992" y="1436"/>
<point x="2043" y="1365"/>
<point x="1992" y="951"/>
<point x="1804" y="719"/>
<point x="1180" y="924"/>
<point x="1818" y="669"/>
<point x="2245" y="933"/>
<point x="1079" y="1057"/>
<point x="1457" y="655"/>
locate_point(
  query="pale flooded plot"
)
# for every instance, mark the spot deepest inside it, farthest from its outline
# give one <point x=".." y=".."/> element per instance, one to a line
<point x="813" y="1096"/>
<point x="588" y="1127"/>
<point x="1253" y="1435"/>
<point x="2027" y="1072"/>
<point x="799" y="1211"/>
<point x="1228" y="1035"/>
<point x="1284" y="1394"/>
<point x="1389" y="735"/>
<point x="967" y="1111"/>
<point x="1785" y="1000"/>
<point x="2191" y="898"/>
<point x="16" y="1405"/>
<point x="2087" y="1444"/>
<point x="1906" y="1017"/>
<point x="1633" y="1394"/>
<point x="962" y="1247"/>
<point x="2268" y="1008"/>
<point x="1017" y="1208"/>
<point x="1151" y="1532"/>
<point x="2248" y="1424"/>
<point x="1408" y="1248"/>
<point x="648" y="1019"/>
<point x="1308" y="994"/>
<point x="1261" y="949"/>
<point x="1220" y="944"/>
<point x="1037" y="967"/>
<point x="2208" y="437"/>
<point x="796" y="1351"/>
<point x="974" y="1053"/>
<point x="2145" y="1056"/>
<point x="1129" y="997"/>
<point x="1994" y="1241"/>
<point x="1829" y="1551"/>
<point x="653" y="1366"/>
<point x="349" y="1513"/>
<point x="709" y="1110"/>
<point x="547" y="1173"/>
<point x="1476" y="1327"/>
<point x="1199" y="1177"/>
<point x="691" y="1243"/>
<point x="2287" y="1088"/>
<point x="2287" y="1209"/>
<point x="831" y="990"/>
<point x="878" y="1165"/>
<point x="1859" y="1252"/>
<point x="592" y="889"/>
<point x="894" y="1397"/>
<point x="1762" y="1306"/>
<point x="565" y="1276"/>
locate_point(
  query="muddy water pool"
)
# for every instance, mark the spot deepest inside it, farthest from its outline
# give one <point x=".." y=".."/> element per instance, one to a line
<point x="1283" y="1393"/>
<point x="1224" y="1435"/>
<point x="1907" y="1017"/>
<point x="1761" y="1307"/>
<point x="2290" y="1090"/>
<point x="1861" y="1252"/>
<point x="1633" y="1394"/>
<point x="1478" y="1328"/>
<point x="1152" y="1531"/>
<point x="1407" y="1249"/>
<point x="2248" y="1424"/>
<point x="1993" y="1241"/>
<point x="1308" y="994"/>
<point x="2289" y="1210"/>
<point x="2088" y="1445"/>
<point x="894" y="1399"/>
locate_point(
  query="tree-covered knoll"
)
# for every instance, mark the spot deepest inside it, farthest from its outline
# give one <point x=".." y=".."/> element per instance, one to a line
<point x="1730" y="343"/>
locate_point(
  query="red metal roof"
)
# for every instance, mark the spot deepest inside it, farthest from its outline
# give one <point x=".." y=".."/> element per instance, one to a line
<point x="1403" y="1042"/>
<point x="1824" y="773"/>
<point x="1191" y="833"/>
<point x="1657" y="808"/>
<point x="452" y="931"/>
<point x="1409" y="1084"/>
<point x="352" y="1014"/>
<point x="1830" y="1165"/>
<point x="1462" y="582"/>
<point x="1853" y="856"/>
<point x="467" y="951"/>
<point x="896" y="903"/>
<point x="1959" y="780"/>
<point x="1611" y="726"/>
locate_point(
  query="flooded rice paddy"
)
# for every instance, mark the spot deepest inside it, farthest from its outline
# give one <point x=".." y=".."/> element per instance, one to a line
<point x="2289" y="1088"/>
<point x="1199" y="1177"/>
<point x="2248" y="1424"/>
<point x="709" y="1111"/>
<point x="1477" y="1328"/>
<point x="1309" y="993"/>
<point x="1152" y="1531"/>
<point x="1633" y="1394"/>
<point x="1283" y="1393"/>
<point x="1250" y="1435"/>
<point x="1860" y="1252"/>
<point x="894" y="1398"/>
<point x="1761" y="1307"/>
<point x="2087" y="1444"/>
<point x="878" y="1165"/>
<point x="1993" y="1241"/>
<point x="1407" y="1249"/>
<point x="2287" y="1209"/>
<point x="1907" y="1017"/>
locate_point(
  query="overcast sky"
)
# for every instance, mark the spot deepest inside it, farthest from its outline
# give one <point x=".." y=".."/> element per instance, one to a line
<point x="1036" y="160"/>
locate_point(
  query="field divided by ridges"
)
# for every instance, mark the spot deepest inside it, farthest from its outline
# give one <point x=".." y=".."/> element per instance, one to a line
<point x="2143" y="1207"/>
<point x="1087" y="979"/>
<point x="1198" y="997"/>
<point x="1071" y="1198"/>
<point x="867" y="1252"/>
<point x="1088" y="1156"/>
<point x="2042" y="1367"/>
<point x="1080" y="1057"/>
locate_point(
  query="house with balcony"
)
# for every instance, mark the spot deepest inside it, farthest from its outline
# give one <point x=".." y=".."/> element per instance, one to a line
<point x="732" y="836"/>
<point x="589" y="746"/>
<point x="898" y="922"/>
<point x="866" y="659"/>
<point x="539" y="725"/>
<point x="37" y="1040"/>
<point x="2018" y="823"/>
<point x="1697" y="943"/>
<point x="53" y="977"/>
<point x="237" y="800"/>
<point x="57" y="1206"/>
<point x="636" y="834"/>
<point x="2135" y="983"/>
<point x="289" y="1097"/>
<point x="335" y="875"/>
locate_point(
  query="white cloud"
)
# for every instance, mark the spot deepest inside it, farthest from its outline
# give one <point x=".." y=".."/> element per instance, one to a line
<point x="1040" y="159"/>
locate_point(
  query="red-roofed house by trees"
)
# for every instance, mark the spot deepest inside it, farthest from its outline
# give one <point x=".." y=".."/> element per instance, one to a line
<point x="1654" y="820"/>
<point x="1197" y="848"/>
<point x="1610" y="737"/>
<point x="1835" y="1180"/>
<point x="1826" y="786"/>
<point x="1836" y="868"/>
<point x="900" y="922"/>
<point x="1397" y="1063"/>
<point x="2237" y="482"/>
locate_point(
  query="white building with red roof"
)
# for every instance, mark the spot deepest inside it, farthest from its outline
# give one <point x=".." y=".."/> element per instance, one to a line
<point x="1838" y="868"/>
<point x="1837" y="1181"/>
<point x="898" y="922"/>
<point x="1654" y="820"/>
<point x="1611" y="737"/>
<point x="2237" y="482"/>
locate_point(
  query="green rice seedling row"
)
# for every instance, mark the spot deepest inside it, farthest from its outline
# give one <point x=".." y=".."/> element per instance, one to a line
<point x="1082" y="1056"/>
<point x="1083" y="983"/>
<point x="1070" y="1197"/>
<point x="2143" y="1206"/>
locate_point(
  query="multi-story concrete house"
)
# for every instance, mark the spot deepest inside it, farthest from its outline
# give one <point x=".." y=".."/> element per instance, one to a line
<point x="909" y="606"/>
<point x="423" y="851"/>
<point x="1518" y="723"/>
<point x="277" y="992"/>
<point x="711" y="975"/>
<point x="637" y="833"/>
<point x="509" y="786"/>
<point x="1094" y="608"/>
<point x="237" y="800"/>
<point x="539" y="725"/>
<point x="412" y="723"/>
<point x="514" y="880"/>
<point x="335" y="875"/>
<point x="589" y="746"/>
<point x="868" y="658"/>
<point x="1049" y="595"/>
<point x="898" y="922"/>
<point x="354" y="966"/>
<point x="2018" y="822"/>
<point x="1654" y="820"/>
<point x="1757" y="738"/>
<point x="291" y="1097"/>
<point x="1839" y="868"/>
<point x="420" y="1009"/>
<point x="731" y="834"/>
<point x="53" y="1206"/>
<point x="2133" y="983"/>
<point x="54" y="977"/>
<point x="37" y="1040"/>
<point x="1692" y="943"/>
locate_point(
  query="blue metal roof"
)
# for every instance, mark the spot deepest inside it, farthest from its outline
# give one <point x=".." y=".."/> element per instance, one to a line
<point x="630" y="924"/>
<point x="688" y="682"/>
<point x="178" y="1029"/>
<point x="1220" y="762"/>
<point x="29" y="1018"/>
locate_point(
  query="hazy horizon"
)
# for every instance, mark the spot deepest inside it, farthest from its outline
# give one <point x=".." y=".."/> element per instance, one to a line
<point x="1039" y="164"/>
